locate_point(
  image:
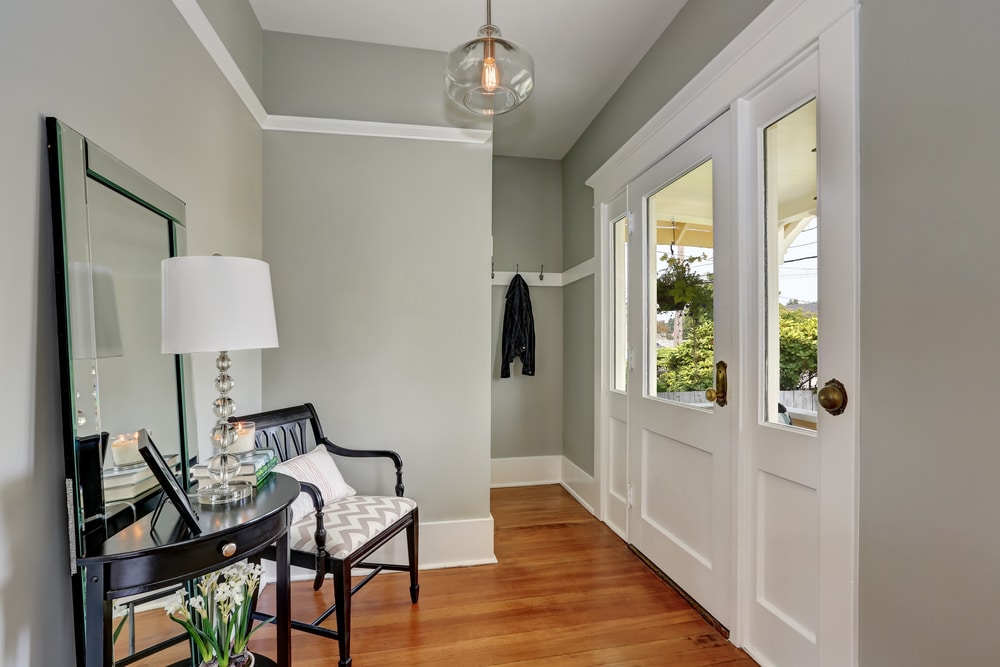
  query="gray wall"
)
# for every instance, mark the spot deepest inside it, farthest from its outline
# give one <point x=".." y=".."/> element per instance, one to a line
<point x="153" y="99"/>
<point x="527" y="231"/>
<point x="527" y="214"/>
<point x="700" y="30"/>
<point x="382" y="298"/>
<point x="335" y="78"/>
<point x="930" y="547"/>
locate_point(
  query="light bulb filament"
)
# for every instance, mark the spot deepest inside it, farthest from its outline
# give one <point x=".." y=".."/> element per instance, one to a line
<point x="491" y="77"/>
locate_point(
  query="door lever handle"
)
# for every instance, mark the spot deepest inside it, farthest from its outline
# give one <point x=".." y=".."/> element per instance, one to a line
<point x="718" y="395"/>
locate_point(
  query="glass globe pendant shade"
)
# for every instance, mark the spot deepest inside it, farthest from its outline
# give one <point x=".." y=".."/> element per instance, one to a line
<point x="489" y="75"/>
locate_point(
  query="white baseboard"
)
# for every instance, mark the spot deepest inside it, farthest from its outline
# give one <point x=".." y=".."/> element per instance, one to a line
<point x="525" y="471"/>
<point x="580" y="485"/>
<point x="537" y="470"/>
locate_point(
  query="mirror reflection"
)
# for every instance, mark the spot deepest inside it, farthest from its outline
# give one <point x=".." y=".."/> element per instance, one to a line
<point x="134" y="384"/>
<point x="113" y="227"/>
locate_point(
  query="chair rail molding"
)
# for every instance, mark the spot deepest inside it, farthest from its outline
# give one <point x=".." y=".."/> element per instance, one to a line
<point x="534" y="279"/>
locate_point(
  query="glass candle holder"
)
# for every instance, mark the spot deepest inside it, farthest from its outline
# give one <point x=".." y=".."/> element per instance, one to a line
<point x="244" y="438"/>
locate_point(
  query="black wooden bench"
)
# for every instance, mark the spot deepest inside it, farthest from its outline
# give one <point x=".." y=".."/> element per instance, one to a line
<point x="336" y="537"/>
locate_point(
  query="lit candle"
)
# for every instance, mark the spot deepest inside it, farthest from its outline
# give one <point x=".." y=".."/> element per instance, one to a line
<point x="244" y="437"/>
<point x="125" y="449"/>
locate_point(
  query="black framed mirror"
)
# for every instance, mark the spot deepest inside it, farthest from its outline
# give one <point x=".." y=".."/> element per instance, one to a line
<point x="112" y="228"/>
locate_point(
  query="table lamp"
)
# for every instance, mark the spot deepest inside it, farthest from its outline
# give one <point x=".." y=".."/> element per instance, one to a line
<point x="218" y="304"/>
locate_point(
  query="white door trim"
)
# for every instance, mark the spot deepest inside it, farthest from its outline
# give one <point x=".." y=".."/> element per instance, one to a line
<point x="605" y="213"/>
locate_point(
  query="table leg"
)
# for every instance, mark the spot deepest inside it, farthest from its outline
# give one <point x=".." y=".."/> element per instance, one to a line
<point x="99" y="648"/>
<point x="283" y="602"/>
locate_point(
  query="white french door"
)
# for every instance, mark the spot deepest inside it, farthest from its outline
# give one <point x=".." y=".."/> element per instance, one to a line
<point x="798" y="467"/>
<point x="680" y="445"/>
<point x="750" y="507"/>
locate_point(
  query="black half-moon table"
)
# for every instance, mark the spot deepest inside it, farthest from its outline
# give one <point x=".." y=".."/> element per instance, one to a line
<point x="141" y="559"/>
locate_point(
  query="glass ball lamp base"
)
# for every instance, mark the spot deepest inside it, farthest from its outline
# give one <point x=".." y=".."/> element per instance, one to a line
<point x="219" y="494"/>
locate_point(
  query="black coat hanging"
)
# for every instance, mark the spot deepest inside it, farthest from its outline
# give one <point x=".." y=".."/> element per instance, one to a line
<point x="518" y="338"/>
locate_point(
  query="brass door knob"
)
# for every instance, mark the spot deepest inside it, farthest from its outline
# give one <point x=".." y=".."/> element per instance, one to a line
<point x="833" y="397"/>
<point x="711" y="395"/>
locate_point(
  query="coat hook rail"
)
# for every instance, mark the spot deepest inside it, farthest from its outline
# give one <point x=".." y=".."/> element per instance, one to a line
<point x="517" y="271"/>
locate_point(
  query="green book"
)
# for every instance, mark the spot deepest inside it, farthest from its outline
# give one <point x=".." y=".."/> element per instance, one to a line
<point x="251" y="463"/>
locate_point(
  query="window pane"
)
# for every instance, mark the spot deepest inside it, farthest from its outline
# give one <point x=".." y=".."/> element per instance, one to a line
<point x="619" y="305"/>
<point x="681" y="328"/>
<point x="791" y="278"/>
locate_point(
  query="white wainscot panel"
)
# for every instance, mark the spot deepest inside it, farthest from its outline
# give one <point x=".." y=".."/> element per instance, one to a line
<point x="618" y="459"/>
<point x="677" y="485"/>
<point x="788" y="556"/>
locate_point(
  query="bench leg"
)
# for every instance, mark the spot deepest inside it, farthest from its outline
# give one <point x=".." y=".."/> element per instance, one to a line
<point x="413" y="547"/>
<point x="320" y="572"/>
<point x="342" y="598"/>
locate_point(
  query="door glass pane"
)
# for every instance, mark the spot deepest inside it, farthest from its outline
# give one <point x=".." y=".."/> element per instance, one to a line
<point x="619" y="273"/>
<point x="681" y="323"/>
<point x="791" y="274"/>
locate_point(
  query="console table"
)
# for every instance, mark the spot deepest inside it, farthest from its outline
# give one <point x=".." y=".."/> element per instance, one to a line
<point x="140" y="559"/>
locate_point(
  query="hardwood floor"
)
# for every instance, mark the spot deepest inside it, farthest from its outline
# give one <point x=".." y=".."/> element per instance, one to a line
<point x="566" y="592"/>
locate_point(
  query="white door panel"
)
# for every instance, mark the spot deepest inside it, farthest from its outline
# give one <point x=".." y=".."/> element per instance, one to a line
<point x="680" y="454"/>
<point x="616" y="503"/>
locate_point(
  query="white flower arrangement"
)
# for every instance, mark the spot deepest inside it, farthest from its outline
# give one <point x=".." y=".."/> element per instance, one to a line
<point x="218" y="617"/>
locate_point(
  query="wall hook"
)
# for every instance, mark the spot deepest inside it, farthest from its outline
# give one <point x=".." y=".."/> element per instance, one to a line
<point x="517" y="269"/>
<point x="541" y="273"/>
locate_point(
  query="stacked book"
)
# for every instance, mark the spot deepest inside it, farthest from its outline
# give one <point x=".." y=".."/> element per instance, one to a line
<point x="126" y="483"/>
<point x="255" y="466"/>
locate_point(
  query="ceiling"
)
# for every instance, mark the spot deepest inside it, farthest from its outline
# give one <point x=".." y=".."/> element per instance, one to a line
<point x="583" y="49"/>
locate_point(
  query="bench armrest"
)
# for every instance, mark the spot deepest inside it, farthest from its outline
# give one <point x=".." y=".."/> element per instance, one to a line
<point x="369" y="453"/>
<point x="314" y="494"/>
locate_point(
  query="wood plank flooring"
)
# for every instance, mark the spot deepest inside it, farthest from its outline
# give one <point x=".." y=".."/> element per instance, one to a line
<point x="566" y="592"/>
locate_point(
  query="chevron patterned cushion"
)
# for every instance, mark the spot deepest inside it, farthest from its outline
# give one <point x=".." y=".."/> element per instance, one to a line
<point x="349" y="523"/>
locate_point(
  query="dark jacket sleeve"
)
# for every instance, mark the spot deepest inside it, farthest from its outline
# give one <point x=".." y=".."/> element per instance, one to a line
<point x="518" y="339"/>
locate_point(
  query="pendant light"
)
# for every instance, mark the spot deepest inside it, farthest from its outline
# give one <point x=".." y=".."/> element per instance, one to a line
<point x="489" y="75"/>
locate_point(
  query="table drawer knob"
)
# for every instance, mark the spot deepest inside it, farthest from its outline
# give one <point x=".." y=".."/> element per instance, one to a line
<point x="228" y="549"/>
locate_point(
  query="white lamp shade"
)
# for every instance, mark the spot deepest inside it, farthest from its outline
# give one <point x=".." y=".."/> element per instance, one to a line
<point x="217" y="303"/>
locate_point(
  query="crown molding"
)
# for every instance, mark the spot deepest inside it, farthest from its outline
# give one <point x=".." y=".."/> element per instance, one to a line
<point x="203" y="30"/>
<point x="375" y="129"/>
